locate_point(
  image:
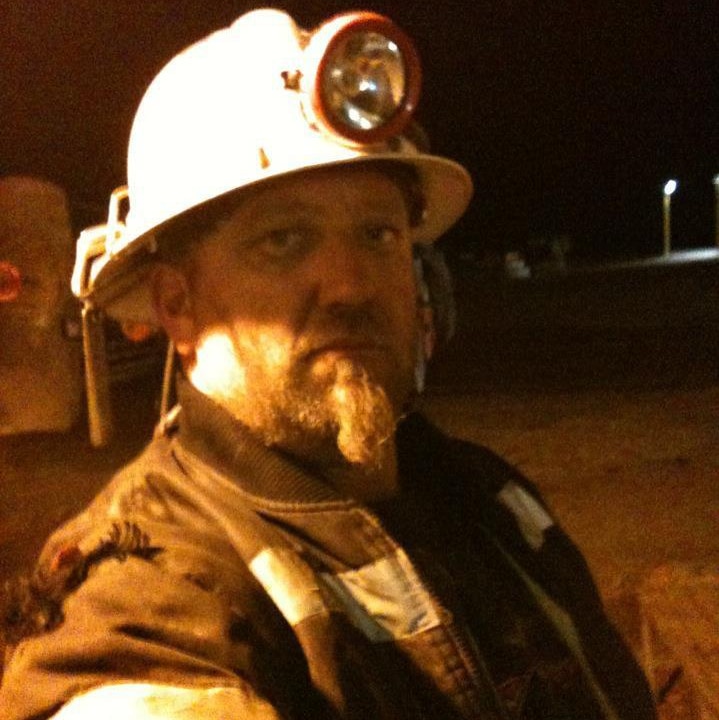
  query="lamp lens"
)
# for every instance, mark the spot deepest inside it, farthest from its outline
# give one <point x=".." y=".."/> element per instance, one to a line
<point x="365" y="81"/>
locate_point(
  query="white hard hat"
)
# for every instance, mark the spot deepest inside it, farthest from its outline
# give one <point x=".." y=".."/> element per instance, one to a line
<point x="261" y="99"/>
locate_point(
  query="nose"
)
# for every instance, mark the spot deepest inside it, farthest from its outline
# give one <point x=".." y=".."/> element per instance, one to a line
<point x="344" y="272"/>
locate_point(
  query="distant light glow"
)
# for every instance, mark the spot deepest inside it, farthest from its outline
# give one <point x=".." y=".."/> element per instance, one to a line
<point x="136" y="332"/>
<point x="716" y="180"/>
<point x="10" y="282"/>
<point x="670" y="187"/>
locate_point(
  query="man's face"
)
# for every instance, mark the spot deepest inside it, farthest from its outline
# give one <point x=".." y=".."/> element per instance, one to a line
<point x="304" y="312"/>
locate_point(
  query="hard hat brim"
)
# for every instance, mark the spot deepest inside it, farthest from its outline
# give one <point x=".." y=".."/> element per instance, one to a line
<point x="120" y="286"/>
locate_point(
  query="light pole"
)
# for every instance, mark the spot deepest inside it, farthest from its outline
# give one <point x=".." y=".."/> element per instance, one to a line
<point x="716" y="209"/>
<point x="669" y="187"/>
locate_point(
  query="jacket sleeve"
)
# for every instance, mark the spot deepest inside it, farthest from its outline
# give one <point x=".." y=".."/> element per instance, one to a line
<point x="139" y="642"/>
<point x="524" y="524"/>
<point x="151" y="701"/>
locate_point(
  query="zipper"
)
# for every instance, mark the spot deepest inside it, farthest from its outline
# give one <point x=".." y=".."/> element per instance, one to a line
<point x="468" y="652"/>
<point x="480" y="687"/>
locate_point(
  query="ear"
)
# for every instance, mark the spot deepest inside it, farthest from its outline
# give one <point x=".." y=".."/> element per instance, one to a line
<point x="172" y="301"/>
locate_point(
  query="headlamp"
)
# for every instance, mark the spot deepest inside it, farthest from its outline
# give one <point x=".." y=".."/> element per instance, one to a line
<point x="361" y="78"/>
<point x="10" y="282"/>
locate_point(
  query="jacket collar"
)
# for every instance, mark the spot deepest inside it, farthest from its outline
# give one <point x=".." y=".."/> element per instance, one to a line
<point x="210" y="432"/>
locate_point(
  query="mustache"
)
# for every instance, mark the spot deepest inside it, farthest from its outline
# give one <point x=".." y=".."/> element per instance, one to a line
<point x="355" y="325"/>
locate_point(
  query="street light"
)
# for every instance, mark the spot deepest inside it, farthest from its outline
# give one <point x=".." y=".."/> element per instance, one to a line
<point x="716" y="209"/>
<point x="669" y="187"/>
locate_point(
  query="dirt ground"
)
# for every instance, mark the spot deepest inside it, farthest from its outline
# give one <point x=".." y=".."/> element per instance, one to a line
<point x="632" y="476"/>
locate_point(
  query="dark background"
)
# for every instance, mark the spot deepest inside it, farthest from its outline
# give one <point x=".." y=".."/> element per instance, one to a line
<point x="570" y="115"/>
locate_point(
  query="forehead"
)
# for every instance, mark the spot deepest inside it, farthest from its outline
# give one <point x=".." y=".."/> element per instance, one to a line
<point x="364" y="189"/>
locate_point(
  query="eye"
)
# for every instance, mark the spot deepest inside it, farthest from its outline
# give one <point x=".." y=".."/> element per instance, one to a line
<point x="381" y="235"/>
<point x="284" y="243"/>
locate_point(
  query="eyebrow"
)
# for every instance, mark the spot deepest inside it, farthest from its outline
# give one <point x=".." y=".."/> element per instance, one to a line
<point x="380" y="204"/>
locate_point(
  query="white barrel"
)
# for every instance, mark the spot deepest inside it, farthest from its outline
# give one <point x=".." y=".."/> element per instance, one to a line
<point x="40" y="367"/>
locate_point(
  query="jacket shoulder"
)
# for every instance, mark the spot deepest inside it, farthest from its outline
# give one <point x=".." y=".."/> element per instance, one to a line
<point x="142" y="586"/>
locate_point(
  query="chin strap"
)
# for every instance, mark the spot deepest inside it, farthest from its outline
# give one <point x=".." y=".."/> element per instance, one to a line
<point x="168" y="410"/>
<point x="168" y="376"/>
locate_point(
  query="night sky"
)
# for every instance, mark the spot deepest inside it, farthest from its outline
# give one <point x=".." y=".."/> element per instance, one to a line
<point x="569" y="115"/>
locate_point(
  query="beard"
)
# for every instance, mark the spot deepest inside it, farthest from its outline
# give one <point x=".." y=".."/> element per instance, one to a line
<point x="334" y="412"/>
<point x="359" y="413"/>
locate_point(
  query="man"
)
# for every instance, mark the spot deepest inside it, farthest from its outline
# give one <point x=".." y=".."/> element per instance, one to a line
<point x="296" y="542"/>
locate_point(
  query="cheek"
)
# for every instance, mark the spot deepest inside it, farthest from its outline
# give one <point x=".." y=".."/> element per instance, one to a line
<point x="232" y="296"/>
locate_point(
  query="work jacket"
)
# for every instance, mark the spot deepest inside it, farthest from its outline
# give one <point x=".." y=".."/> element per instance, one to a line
<point x="216" y="578"/>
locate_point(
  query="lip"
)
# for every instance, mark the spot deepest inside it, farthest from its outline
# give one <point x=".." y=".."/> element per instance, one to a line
<point x="348" y="348"/>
